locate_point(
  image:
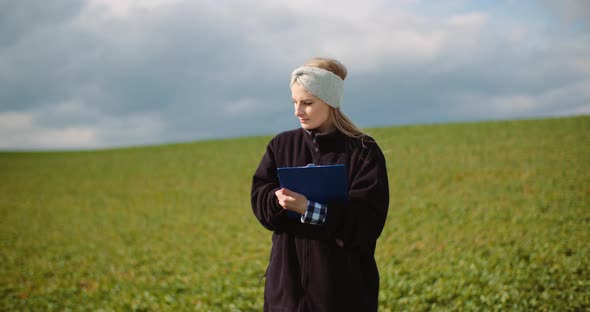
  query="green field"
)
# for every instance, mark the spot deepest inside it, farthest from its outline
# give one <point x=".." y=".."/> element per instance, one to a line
<point x="483" y="216"/>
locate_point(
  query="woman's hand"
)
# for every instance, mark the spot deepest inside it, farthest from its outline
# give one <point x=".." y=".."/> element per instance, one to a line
<point x="292" y="200"/>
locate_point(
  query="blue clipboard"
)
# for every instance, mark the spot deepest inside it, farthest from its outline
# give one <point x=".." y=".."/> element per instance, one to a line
<point x="318" y="183"/>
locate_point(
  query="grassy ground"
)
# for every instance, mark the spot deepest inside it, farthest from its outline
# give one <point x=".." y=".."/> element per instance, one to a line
<point x="492" y="216"/>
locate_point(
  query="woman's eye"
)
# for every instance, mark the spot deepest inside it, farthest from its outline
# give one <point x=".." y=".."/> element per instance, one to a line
<point x="307" y="103"/>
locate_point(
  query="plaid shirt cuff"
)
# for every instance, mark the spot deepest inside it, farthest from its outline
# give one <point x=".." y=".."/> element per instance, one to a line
<point x="315" y="214"/>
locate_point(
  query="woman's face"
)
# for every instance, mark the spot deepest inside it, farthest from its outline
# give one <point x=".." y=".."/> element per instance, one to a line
<point x="312" y="112"/>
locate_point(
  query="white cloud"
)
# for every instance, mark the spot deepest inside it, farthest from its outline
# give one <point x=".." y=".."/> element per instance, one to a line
<point x="74" y="108"/>
<point x="510" y="105"/>
<point x="243" y="106"/>
<point x="140" y="128"/>
<point x="69" y="137"/>
<point x="123" y="8"/>
<point x="581" y="110"/>
<point x="567" y="100"/>
<point x="15" y="120"/>
<point x="20" y="132"/>
<point x="365" y="37"/>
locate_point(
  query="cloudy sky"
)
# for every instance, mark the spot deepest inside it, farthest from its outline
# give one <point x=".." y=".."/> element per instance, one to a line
<point x="80" y="74"/>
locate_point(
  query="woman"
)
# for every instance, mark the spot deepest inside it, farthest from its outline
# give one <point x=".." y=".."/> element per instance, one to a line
<point x="323" y="261"/>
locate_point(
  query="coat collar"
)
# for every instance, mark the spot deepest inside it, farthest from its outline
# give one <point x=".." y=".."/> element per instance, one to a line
<point x="331" y="141"/>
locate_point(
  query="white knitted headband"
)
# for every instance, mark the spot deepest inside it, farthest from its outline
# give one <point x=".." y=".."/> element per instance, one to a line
<point x="322" y="83"/>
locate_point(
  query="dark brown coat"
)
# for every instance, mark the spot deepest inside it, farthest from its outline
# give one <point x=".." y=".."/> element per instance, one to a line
<point x="329" y="267"/>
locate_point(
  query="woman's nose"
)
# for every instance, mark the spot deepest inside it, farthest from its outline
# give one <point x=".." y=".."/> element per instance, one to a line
<point x="298" y="110"/>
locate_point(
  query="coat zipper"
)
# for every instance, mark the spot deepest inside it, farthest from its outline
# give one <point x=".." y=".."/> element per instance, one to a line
<point x="305" y="265"/>
<point x="304" y="269"/>
<point x="316" y="150"/>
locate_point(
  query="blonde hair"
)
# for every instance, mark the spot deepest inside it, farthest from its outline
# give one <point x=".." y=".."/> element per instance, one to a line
<point x="340" y="121"/>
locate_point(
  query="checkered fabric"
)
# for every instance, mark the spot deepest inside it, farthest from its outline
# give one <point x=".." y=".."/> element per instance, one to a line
<point x="315" y="214"/>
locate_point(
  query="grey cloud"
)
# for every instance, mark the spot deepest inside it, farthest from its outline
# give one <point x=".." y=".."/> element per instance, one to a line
<point x="571" y="10"/>
<point x="20" y="17"/>
<point x="199" y="70"/>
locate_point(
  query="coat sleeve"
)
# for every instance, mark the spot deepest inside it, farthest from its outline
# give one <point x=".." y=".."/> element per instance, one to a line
<point x="360" y="220"/>
<point x="265" y="183"/>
